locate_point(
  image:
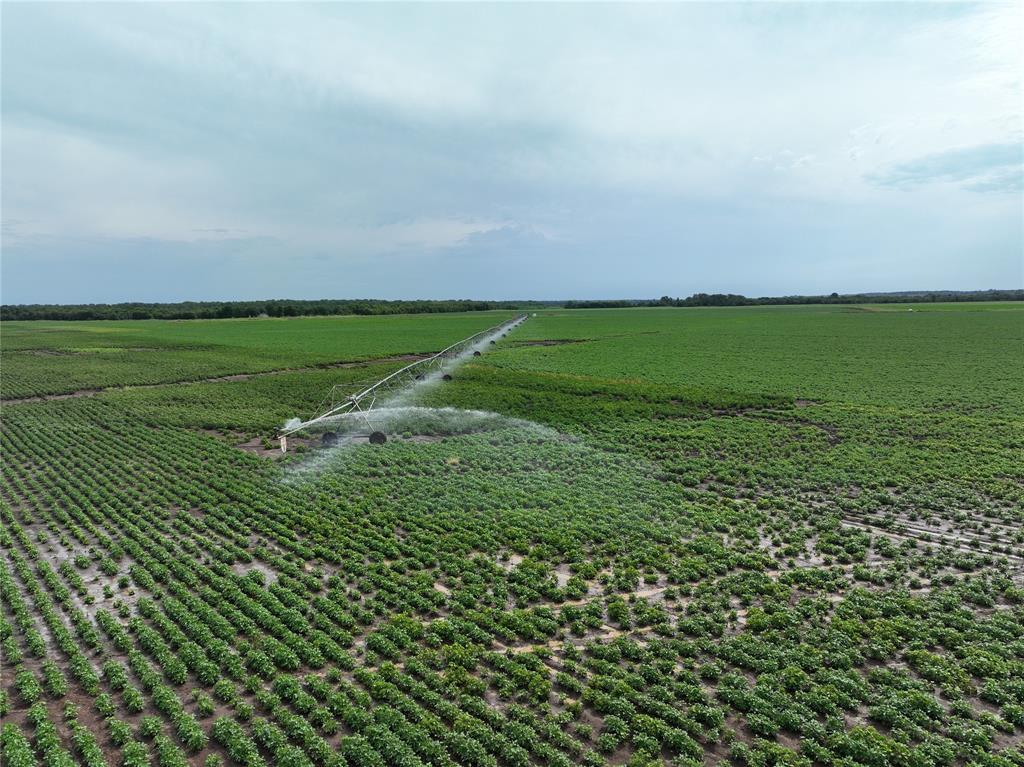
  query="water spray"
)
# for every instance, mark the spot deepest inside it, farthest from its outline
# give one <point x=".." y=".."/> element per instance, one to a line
<point x="394" y="390"/>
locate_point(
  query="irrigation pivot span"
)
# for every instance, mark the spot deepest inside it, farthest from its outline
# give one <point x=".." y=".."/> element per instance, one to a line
<point x="412" y="373"/>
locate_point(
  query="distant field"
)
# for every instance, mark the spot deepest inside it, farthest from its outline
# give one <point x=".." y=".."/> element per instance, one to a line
<point x="55" y="357"/>
<point x="939" y="355"/>
<point x="755" y="536"/>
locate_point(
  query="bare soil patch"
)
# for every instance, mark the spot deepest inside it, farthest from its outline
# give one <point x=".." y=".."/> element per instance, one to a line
<point x="513" y="560"/>
<point x="255" y="447"/>
<point x="937" y="541"/>
<point x="269" y="574"/>
<point x="562" y="575"/>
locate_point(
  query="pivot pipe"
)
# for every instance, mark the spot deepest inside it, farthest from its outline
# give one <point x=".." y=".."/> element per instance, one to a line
<point x="364" y="400"/>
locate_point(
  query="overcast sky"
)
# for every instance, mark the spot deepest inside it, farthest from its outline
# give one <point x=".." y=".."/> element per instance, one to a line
<point x="203" y="151"/>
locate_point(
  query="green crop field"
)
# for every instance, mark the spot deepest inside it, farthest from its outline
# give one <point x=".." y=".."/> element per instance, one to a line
<point x="751" y="536"/>
<point x="35" y="356"/>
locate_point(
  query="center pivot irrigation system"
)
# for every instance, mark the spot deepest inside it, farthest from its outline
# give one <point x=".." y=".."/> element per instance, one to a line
<point x="339" y="404"/>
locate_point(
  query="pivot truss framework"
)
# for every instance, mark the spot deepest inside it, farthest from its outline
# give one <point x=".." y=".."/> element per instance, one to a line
<point x="338" y="404"/>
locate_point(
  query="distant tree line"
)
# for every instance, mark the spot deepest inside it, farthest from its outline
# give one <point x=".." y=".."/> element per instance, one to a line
<point x="732" y="299"/>
<point x="203" y="310"/>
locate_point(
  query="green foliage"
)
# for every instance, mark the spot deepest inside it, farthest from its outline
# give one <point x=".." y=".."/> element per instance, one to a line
<point x="788" y="535"/>
<point x="54" y="357"/>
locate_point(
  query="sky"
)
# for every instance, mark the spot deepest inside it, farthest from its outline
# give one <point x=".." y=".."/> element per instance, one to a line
<point x="202" y="151"/>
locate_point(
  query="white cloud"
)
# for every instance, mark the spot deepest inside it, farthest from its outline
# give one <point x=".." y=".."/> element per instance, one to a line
<point x="360" y="129"/>
<point x="678" y="96"/>
<point x="63" y="183"/>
